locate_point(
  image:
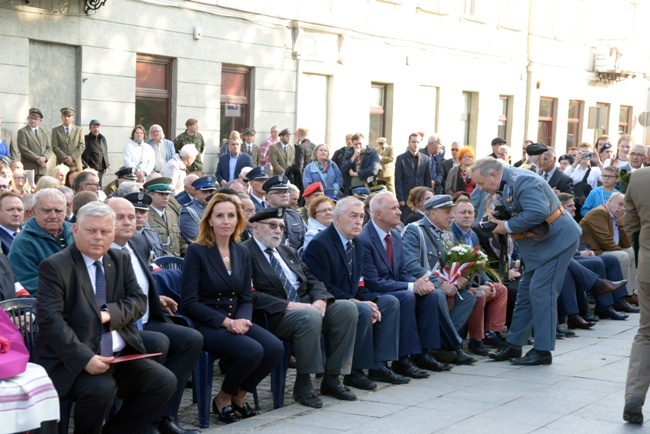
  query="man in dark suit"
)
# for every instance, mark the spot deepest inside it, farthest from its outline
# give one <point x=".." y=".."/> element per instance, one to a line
<point x="335" y="257"/>
<point x="432" y="150"/>
<point x="95" y="154"/>
<point x="558" y="181"/>
<point x="384" y="271"/>
<point x="232" y="163"/>
<point x="301" y="137"/>
<point x="68" y="141"/>
<point x="180" y="345"/>
<point x="360" y="164"/>
<point x="34" y="144"/>
<point x="300" y="309"/>
<point x="257" y="177"/>
<point x="12" y="212"/>
<point x="87" y="306"/>
<point x="450" y="162"/>
<point x="412" y="169"/>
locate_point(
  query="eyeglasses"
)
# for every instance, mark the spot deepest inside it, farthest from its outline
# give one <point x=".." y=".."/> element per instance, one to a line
<point x="96" y="184"/>
<point x="274" y="226"/>
<point x="635" y="155"/>
<point x="280" y="192"/>
<point x="324" y="210"/>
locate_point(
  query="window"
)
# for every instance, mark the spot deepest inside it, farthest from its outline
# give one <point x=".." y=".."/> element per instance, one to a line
<point x="153" y="94"/>
<point x="602" y="119"/>
<point x="377" y="112"/>
<point x="545" y="122"/>
<point x="467" y="121"/>
<point x="313" y="106"/>
<point x="504" y="113"/>
<point x="574" y="124"/>
<point x="428" y="110"/>
<point x="235" y="102"/>
<point x="625" y="120"/>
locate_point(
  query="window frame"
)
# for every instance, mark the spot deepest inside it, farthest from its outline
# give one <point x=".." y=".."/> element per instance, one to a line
<point x="156" y="94"/>
<point x="236" y="99"/>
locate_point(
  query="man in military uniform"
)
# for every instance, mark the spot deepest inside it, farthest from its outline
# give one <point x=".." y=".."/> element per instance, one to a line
<point x="532" y="161"/>
<point x="257" y="177"/>
<point x="249" y="147"/>
<point x="34" y="144"/>
<point x="162" y="217"/>
<point x="192" y="135"/>
<point x="277" y="195"/>
<point x="191" y="213"/>
<point x="141" y="202"/>
<point x="123" y="175"/>
<point x="387" y="159"/>
<point x="68" y="142"/>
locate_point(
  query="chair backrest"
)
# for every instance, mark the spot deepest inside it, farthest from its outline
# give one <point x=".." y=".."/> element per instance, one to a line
<point x="168" y="283"/>
<point x="22" y="312"/>
<point x="169" y="263"/>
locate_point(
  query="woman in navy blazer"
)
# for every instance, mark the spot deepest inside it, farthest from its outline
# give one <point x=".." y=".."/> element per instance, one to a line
<point x="217" y="296"/>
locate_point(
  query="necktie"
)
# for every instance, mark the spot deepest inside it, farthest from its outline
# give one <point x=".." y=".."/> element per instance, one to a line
<point x="292" y="294"/>
<point x="389" y="250"/>
<point x="264" y="204"/>
<point x="348" y="252"/>
<point x="106" y="345"/>
<point x="67" y="132"/>
<point x="546" y="177"/>
<point x="15" y="234"/>
<point x="138" y="323"/>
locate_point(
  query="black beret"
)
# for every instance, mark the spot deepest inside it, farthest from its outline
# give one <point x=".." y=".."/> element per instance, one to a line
<point x="267" y="213"/>
<point x="536" y="149"/>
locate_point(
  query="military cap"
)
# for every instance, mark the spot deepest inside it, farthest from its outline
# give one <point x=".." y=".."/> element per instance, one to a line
<point x="285" y="132"/>
<point x="95" y="122"/>
<point x="258" y="172"/>
<point x="566" y="157"/>
<point x="536" y="149"/>
<point x="381" y="140"/>
<point x="279" y="182"/>
<point x="35" y="111"/>
<point x="249" y="131"/>
<point x="498" y="141"/>
<point x="361" y="192"/>
<point x="267" y="213"/>
<point x="158" y="185"/>
<point x="127" y="173"/>
<point x="313" y="188"/>
<point x="67" y="111"/>
<point x="139" y="200"/>
<point x="439" y="201"/>
<point x="205" y="183"/>
<point x="377" y="185"/>
<point x="333" y="194"/>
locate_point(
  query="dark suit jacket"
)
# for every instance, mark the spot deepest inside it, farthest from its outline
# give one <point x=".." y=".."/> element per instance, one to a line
<point x="369" y="167"/>
<point x="378" y="274"/>
<point x="223" y="168"/>
<point x="446" y="167"/>
<point x="95" y="155"/>
<point x="269" y="295"/>
<point x="326" y="259"/>
<point x="210" y="294"/>
<point x="141" y="249"/>
<point x="5" y="241"/>
<point x="406" y="177"/>
<point x="437" y="173"/>
<point x="69" y="319"/>
<point x="561" y="181"/>
<point x="307" y="151"/>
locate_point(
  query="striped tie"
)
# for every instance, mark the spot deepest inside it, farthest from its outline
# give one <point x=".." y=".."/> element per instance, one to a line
<point x="106" y="346"/>
<point x="349" y="247"/>
<point x="292" y="294"/>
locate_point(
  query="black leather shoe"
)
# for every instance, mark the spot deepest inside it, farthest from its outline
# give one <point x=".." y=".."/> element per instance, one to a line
<point x="358" y="380"/>
<point x="566" y="332"/>
<point x="308" y="399"/>
<point x="610" y="313"/>
<point x="590" y="318"/>
<point x="463" y="358"/>
<point x="385" y="375"/>
<point x="227" y="414"/>
<point x="476" y="347"/>
<point x="533" y="358"/>
<point x="167" y="426"/>
<point x="338" y="392"/>
<point x="245" y="411"/>
<point x="508" y="352"/>
<point x="578" y="322"/>
<point x="626" y="307"/>
<point x="632" y="412"/>
<point x="443" y="356"/>
<point x="430" y="364"/>
<point x="610" y="287"/>
<point x="406" y="368"/>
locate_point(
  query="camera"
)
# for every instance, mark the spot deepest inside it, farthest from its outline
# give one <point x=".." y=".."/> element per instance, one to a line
<point x="499" y="210"/>
<point x="487" y="225"/>
<point x="588" y="155"/>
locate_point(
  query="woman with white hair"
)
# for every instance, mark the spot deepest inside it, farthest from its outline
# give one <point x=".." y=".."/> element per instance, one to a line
<point x="176" y="168"/>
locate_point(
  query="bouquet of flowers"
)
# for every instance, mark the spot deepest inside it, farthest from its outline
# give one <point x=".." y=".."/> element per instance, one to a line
<point x="464" y="261"/>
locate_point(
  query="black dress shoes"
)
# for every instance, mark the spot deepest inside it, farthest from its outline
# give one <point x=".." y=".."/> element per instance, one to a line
<point x="610" y="313"/>
<point x="578" y="322"/>
<point x="609" y="287"/>
<point x="475" y="346"/>
<point x="245" y="411"/>
<point x="566" y="332"/>
<point x="632" y="412"/>
<point x="358" y="379"/>
<point x="590" y="318"/>
<point x="167" y="426"/>
<point x="406" y="368"/>
<point x="430" y="364"/>
<point x="626" y="307"/>
<point x="308" y="399"/>
<point x="385" y="375"/>
<point x="533" y="358"/>
<point x="227" y="414"/>
<point x="508" y="352"/>
<point x="338" y="391"/>
<point x="443" y="356"/>
<point x="463" y="358"/>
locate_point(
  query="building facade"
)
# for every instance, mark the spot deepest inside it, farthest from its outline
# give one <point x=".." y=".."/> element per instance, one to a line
<point x="470" y="70"/>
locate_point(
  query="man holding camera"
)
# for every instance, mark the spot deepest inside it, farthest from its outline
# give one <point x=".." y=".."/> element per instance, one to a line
<point x="547" y="237"/>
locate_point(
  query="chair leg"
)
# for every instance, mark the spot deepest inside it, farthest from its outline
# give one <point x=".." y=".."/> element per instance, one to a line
<point x="256" y="400"/>
<point x="65" y="408"/>
<point x="279" y="377"/>
<point x="204" y="387"/>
